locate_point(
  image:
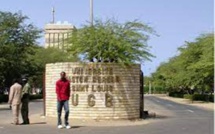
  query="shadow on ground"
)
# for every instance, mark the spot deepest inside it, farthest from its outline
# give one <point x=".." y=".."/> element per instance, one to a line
<point x="38" y="123"/>
<point x="76" y="126"/>
<point x="156" y="116"/>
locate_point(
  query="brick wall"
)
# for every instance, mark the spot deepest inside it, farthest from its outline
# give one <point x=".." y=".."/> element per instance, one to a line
<point x="98" y="90"/>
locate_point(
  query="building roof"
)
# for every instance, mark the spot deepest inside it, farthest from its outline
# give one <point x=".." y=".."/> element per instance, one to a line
<point x="59" y="25"/>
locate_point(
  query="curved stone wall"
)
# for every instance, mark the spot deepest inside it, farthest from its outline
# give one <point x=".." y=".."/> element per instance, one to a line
<point x="98" y="90"/>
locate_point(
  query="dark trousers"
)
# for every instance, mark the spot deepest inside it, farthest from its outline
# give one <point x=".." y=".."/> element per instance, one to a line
<point x="60" y="105"/>
<point x="24" y="111"/>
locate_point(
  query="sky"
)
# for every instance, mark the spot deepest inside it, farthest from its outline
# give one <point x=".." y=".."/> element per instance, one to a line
<point x="175" y="21"/>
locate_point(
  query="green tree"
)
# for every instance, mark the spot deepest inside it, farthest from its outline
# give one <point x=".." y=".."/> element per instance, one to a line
<point x="191" y="70"/>
<point x="44" y="56"/>
<point x="17" y="41"/>
<point x="200" y="65"/>
<point x="111" y="41"/>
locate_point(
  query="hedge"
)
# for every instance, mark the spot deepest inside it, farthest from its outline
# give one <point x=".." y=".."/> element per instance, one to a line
<point x="200" y="97"/>
<point x="176" y="94"/>
<point x="3" y="98"/>
<point x="188" y="96"/>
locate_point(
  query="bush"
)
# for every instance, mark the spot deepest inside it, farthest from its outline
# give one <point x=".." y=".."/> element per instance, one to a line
<point x="176" y="94"/>
<point x="188" y="96"/>
<point x="211" y="98"/>
<point x="3" y="98"/>
<point x="146" y="89"/>
<point x="200" y="97"/>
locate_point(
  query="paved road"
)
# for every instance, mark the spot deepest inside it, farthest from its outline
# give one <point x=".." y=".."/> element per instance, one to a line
<point x="172" y="118"/>
<point x="178" y="118"/>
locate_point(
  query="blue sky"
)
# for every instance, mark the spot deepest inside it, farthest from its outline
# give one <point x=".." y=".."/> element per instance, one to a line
<point x="176" y="21"/>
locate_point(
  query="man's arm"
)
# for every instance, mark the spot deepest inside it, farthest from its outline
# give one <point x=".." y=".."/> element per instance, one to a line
<point x="28" y="88"/>
<point x="57" y="90"/>
<point x="11" y="95"/>
<point x="69" y="89"/>
<point x="25" y="91"/>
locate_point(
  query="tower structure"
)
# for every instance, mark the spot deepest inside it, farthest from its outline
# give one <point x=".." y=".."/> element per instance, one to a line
<point x="57" y="32"/>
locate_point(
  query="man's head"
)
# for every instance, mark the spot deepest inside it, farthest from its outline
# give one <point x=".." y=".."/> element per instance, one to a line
<point x="24" y="80"/>
<point x="63" y="75"/>
<point x="15" y="80"/>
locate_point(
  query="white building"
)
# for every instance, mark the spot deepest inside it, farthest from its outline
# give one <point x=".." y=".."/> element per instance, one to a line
<point x="56" y="33"/>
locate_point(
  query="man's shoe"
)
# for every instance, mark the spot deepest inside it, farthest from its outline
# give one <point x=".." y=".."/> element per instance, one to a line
<point x="25" y="123"/>
<point x="60" y="126"/>
<point x="68" y="127"/>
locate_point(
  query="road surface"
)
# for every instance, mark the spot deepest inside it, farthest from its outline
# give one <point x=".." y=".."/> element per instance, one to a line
<point x="171" y="118"/>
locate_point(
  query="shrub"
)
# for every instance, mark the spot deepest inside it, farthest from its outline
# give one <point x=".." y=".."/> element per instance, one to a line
<point x="200" y="97"/>
<point x="176" y="94"/>
<point x="188" y="96"/>
<point x="211" y="98"/>
<point x="146" y="89"/>
<point x="3" y="98"/>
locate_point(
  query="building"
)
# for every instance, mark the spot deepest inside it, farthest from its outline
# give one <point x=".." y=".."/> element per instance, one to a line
<point x="56" y="33"/>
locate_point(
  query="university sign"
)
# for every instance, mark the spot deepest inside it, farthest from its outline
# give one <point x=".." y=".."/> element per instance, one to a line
<point x="99" y="79"/>
<point x="98" y="90"/>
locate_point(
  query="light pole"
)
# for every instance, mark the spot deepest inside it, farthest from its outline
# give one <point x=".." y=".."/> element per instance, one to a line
<point x="53" y="15"/>
<point x="91" y="12"/>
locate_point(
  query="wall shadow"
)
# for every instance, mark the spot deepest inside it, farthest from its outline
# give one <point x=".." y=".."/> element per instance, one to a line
<point x="38" y="123"/>
<point x="128" y="96"/>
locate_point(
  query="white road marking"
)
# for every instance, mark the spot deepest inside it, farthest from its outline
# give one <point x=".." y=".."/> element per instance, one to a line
<point x="190" y="110"/>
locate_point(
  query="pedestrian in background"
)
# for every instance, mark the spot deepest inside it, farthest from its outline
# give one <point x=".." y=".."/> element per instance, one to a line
<point x="63" y="94"/>
<point x="25" y="101"/>
<point x="15" y="100"/>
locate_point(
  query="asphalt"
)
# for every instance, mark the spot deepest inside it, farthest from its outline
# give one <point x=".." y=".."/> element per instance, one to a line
<point x="171" y="118"/>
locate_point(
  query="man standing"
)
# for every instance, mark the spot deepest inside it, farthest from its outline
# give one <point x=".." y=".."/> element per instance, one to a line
<point x="25" y="100"/>
<point x="63" y="94"/>
<point x="15" y="100"/>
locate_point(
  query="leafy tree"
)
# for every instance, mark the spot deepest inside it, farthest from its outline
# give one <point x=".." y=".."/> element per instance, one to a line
<point x="51" y="55"/>
<point x="192" y="70"/>
<point x="201" y="68"/>
<point x="44" y="56"/>
<point x="111" y="41"/>
<point x="17" y="41"/>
